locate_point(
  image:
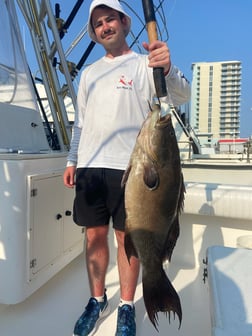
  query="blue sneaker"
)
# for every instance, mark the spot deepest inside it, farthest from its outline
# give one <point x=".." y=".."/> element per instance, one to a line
<point x="94" y="312"/>
<point x="126" y="324"/>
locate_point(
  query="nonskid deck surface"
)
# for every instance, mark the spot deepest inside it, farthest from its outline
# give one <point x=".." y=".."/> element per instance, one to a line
<point x="54" y="309"/>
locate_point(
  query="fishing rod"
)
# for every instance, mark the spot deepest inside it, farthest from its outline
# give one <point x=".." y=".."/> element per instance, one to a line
<point x="75" y="68"/>
<point x="70" y="18"/>
<point x="158" y="72"/>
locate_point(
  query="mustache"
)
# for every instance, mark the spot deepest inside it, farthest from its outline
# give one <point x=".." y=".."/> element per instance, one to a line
<point x="107" y="32"/>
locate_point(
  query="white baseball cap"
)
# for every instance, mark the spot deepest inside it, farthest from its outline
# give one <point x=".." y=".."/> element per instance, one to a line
<point x="114" y="4"/>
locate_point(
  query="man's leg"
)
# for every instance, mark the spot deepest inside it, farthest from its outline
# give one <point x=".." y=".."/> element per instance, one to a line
<point x="128" y="275"/>
<point x="128" y="272"/>
<point x="97" y="258"/>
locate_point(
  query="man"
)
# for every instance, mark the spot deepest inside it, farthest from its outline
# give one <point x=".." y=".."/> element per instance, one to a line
<point x="113" y="101"/>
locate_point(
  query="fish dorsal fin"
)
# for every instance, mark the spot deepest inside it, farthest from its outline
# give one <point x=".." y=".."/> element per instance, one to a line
<point x="151" y="176"/>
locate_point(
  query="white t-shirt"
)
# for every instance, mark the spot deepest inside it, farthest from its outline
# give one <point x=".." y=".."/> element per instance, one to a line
<point x="112" y="103"/>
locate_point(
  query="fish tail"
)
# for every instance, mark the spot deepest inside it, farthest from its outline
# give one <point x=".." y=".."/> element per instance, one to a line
<point x="160" y="296"/>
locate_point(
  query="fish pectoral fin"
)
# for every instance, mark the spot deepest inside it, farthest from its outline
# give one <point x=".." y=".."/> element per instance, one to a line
<point x="129" y="247"/>
<point x="182" y="195"/>
<point x="125" y="176"/>
<point x="151" y="177"/>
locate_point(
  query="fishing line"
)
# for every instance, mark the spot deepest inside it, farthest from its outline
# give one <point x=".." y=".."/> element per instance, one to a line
<point x="161" y="14"/>
<point x="133" y="11"/>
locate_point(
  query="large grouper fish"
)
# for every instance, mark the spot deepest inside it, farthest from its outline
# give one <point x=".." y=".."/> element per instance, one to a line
<point x="154" y="197"/>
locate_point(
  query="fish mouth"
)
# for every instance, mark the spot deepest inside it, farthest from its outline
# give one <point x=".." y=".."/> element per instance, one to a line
<point x="163" y="121"/>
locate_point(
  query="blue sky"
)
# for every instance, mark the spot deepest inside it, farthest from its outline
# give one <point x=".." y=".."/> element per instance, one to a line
<point x="199" y="31"/>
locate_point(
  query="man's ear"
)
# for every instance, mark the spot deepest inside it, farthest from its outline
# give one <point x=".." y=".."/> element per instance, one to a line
<point x="124" y="21"/>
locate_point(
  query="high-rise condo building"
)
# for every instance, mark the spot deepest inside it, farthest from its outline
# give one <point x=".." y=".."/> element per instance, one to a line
<point x="215" y="103"/>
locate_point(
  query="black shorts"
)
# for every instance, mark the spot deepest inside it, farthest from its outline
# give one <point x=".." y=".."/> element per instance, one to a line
<point x="99" y="197"/>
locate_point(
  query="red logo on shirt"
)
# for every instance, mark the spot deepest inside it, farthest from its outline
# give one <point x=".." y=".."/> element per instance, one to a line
<point x="125" y="83"/>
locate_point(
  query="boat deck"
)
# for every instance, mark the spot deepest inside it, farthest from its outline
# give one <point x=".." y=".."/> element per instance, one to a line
<point x="54" y="308"/>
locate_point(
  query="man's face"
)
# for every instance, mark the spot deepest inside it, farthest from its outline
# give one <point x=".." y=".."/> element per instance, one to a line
<point x="108" y="27"/>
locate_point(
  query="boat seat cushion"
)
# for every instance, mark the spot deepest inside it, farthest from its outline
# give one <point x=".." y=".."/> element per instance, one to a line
<point x="222" y="200"/>
<point x="230" y="290"/>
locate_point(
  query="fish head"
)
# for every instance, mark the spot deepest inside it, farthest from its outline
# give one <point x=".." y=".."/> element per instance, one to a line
<point x="158" y="138"/>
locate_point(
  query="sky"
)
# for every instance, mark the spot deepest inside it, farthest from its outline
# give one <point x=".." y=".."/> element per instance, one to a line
<point x="199" y="31"/>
